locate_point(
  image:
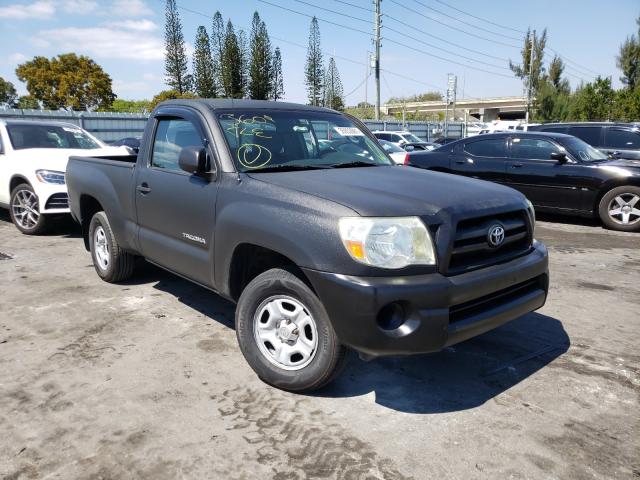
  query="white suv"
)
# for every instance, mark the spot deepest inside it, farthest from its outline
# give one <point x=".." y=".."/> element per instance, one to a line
<point x="33" y="160"/>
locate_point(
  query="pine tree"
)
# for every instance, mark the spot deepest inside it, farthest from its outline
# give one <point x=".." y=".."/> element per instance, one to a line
<point x="314" y="69"/>
<point x="231" y="59"/>
<point x="277" y="90"/>
<point x="537" y="71"/>
<point x="244" y="63"/>
<point x="333" y="91"/>
<point x="260" y="69"/>
<point x="176" y="63"/>
<point x="203" y="74"/>
<point x="629" y="60"/>
<point x="217" y="51"/>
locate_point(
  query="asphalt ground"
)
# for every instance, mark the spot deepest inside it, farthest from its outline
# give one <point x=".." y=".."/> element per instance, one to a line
<point x="145" y="380"/>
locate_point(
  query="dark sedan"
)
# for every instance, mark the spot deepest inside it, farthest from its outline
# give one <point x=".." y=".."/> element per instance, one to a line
<point x="557" y="172"/>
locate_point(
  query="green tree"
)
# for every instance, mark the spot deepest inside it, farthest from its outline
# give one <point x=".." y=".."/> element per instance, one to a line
<point x="129" y="106"/>
<point x="203" y="75"/>
<point x="556" y="69"/>
<point x="420" y="97"/>
<point x="626" y="105"/>
<point x="629" y="60"/>
<point x="217" y="50"/>
<point x="333" y="90"/>
<point x="169" y="95"/>
<point x="314" y="69"/>
<point x="8" y="94"/>
<point x="232" y="61"/>
<point x="243" y="49"/>
<point x="261" y="65"/>
<point x="67" y="81"/>
<point x="277" y="91"/>
<point x="27" y="102"/>
<point x="593" y="101"/>
<point x="521" y="70"/>
<point x="176" y="63"/>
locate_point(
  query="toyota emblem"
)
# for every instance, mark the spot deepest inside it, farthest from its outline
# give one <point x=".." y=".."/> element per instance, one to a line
<point x="495" y="236"/>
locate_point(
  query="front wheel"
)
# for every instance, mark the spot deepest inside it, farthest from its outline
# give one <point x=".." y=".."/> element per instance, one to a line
<point x="619" y="209"/>
<point x="285" y="334"/>
<point x="25" y="211"/>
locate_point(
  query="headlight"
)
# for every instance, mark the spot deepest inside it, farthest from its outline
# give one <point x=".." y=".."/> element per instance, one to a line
<point x="387" y="242"/>
<point x="50" y="176"/>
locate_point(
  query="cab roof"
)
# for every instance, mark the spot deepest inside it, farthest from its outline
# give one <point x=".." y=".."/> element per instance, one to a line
<point x="241" y="104"/>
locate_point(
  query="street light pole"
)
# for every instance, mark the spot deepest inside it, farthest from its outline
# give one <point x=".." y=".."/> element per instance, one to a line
<point x="378" y="41"/>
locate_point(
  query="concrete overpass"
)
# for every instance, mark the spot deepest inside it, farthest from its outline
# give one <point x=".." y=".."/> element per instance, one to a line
<point x="484" y="109"/>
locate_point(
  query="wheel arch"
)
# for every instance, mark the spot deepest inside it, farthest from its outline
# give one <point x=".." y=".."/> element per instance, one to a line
<point x="89" y="206"/>
<point x="610" y="185"/>
<point x="16" y="180"/>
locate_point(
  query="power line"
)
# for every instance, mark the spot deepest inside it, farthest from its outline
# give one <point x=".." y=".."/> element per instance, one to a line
<point x="333" y="11"/>
<point x="480" y="18"/>
<point x="354" y="6"/>
<point x="452" y="27"/>
<point x="467" y="23"/>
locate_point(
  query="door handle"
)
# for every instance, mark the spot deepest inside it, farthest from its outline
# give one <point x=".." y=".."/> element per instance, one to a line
<point x="143" y="189"/>
<point x="516" y="165"/>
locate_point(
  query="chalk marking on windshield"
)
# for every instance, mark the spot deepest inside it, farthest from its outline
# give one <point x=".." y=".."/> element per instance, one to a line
<point x="247" y="148"/>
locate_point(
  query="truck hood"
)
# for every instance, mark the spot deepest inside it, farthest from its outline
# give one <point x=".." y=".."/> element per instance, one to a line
<point x="57" y="158"/>
<point x="400" y="191"/>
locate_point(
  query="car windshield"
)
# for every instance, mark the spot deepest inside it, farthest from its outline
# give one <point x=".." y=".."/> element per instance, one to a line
<point x="391" y="147"/>
<point x="24" y="136"/>
<point x="268" y="140"/>
<point x="582" y="150"/>
<point x="411" y="138"/>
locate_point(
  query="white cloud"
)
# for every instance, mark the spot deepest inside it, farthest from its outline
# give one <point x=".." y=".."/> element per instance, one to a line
<point x="79" y="7"/>
<point x="137" y="25"/>
<point x="105" y="42"/>
<point x="16" y="58"/>
<point x="22" y="11"/>
<point x="131" y="8"/>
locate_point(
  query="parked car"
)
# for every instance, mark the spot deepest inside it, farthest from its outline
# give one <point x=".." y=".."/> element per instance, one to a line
<point x="619" y="140"/>
<point x="501" y="126"/>
<point x="557" y="172"/>
<point x="321" y="249"/>
<point x="132" y="142"/>
<point x="406" y="140"/>
<point x="33" y="159"/>
<point x="398" y="154"/>
<point x="444" y="141"/>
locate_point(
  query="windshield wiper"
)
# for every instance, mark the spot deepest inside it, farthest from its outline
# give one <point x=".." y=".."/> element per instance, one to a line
<point x="287" y="168"/>
<point x="358" y="163"/>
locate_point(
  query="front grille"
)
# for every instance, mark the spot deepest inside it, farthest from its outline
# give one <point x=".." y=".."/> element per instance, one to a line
<point x="58" y="200"/>
<point x="477" y="306"/>
<point x="471" y="249"/>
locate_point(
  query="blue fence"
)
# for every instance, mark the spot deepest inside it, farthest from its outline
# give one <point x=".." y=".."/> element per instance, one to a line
<point x="113" y="126"/>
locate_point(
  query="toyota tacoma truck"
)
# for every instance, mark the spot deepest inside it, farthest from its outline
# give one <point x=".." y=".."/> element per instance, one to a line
<point x="298" y="215"/>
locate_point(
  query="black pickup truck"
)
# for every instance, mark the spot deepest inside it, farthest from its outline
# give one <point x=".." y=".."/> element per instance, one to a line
<point x="297" y="214"/>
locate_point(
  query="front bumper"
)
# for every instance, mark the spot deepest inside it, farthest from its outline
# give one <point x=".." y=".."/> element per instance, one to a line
<point x="438" y="310"/>
<point x="52" y="198"/>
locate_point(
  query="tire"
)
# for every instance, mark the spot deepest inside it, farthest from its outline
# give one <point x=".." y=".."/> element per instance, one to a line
<point x="25" y="213"/>
<point x="112" y="264"/>
<point x="625" y="202"/>
<point x="303" y="355"/>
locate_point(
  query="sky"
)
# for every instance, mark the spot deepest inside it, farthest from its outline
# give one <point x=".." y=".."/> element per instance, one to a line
<point x="423" y="40"/>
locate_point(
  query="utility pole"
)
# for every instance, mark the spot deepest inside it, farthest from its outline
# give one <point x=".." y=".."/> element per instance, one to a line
<point x="530" y="86"/>
<point x="378" y="40"/>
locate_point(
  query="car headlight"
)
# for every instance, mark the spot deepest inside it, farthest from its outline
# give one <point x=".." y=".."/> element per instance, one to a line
<point x="50" y="176"/>
<point x="387" y="242"/>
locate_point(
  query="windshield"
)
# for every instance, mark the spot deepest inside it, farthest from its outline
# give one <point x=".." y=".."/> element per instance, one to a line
<point x="582" y="150"/>
<point x="265" y="141"/>
<point x="24" y="136"/>
<point x="411" y="138"/>
<point x="391" y="147"/>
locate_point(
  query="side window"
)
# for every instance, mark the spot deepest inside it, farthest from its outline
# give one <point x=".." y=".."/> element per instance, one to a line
<point x="493" y="147"/>
<point x="533" y="149"/>
<point x="622" y="139"/>
<point x="591" y="135"/>
<point x="554" y="129"/>
<point x="383" y="136"/>
<point x="172" y="135"/>
<point x="396" y="138"/>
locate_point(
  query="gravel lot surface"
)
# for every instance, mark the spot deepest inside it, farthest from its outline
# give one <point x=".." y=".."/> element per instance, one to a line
<point x="145" y="380"/>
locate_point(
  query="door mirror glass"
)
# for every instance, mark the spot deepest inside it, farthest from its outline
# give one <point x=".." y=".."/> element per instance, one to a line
<point x="560" y="157"/>
<point x="409" y="148"/>
<point x="193" y="160"/>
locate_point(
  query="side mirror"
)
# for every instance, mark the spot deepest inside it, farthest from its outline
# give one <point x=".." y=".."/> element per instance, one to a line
<point x="615" y="155"/>
<point x="561" y="157"/>
<point x="193" y="160"/>
<point x="409" y="148"/>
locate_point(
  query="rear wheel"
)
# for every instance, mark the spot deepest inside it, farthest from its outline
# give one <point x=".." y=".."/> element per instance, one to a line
<point x="111" y="262"/>
<point x="25" y="211"/>
<point x="619" y="209"/>
<point x="285" y="334"/>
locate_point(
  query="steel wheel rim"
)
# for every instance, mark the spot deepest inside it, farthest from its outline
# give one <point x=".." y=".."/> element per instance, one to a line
<point x="101" y="248"/>
<point x="624" y="209"/>
<point x="285" y="332"/>
<point x="26" y="209"/>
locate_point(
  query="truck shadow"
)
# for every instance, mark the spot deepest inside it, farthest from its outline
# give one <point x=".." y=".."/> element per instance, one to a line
<point x="63" y="226"/>
<point x="459" y="378"/>
<point x="569" y="220"/>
